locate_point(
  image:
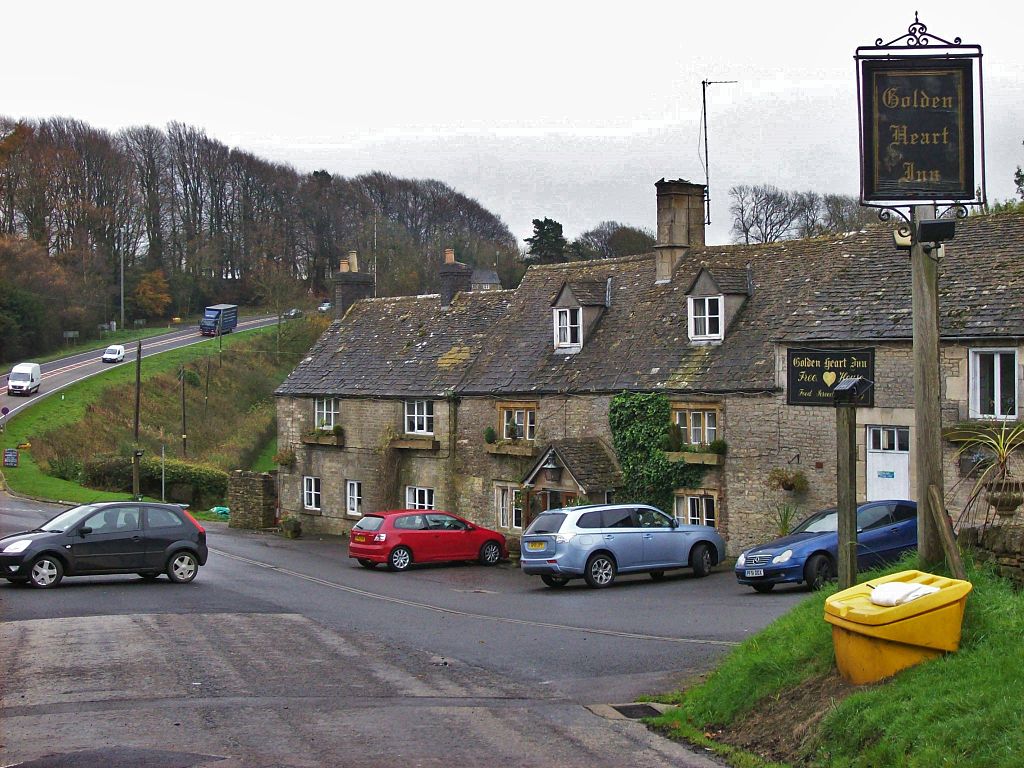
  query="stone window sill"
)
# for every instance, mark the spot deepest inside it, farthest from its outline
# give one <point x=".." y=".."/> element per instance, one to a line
<point x="691" y="457"/>
<point x="416" y="443"/>
<point x="512" y="449"/>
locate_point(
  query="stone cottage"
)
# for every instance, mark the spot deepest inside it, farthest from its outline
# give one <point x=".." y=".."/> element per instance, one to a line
<point x="494" y="404"/>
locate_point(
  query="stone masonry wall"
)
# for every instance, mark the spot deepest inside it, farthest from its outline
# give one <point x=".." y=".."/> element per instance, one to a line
<point x="252" y="499"/>
<point x="762" y="433"/>
<point x="1001" y="545"/>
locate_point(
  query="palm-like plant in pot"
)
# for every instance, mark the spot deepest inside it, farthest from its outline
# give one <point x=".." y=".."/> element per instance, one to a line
<point x="996" y="446"/>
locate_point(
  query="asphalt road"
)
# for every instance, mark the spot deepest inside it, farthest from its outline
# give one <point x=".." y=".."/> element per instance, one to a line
<point x="285" y="653"/>
<point x="58" y="374"/>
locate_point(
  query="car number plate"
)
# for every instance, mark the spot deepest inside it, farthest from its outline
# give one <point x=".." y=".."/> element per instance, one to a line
<point x="535" y="545"/>
<point x="359" y="539"/>
<point x="752" y="572"/>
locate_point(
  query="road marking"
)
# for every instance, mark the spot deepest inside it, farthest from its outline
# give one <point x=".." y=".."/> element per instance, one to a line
<point x="467" y="614"/>
<point x="162" y="341"/>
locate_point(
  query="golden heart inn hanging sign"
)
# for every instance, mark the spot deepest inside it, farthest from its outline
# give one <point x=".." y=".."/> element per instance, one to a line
<point x="812" y="374"/>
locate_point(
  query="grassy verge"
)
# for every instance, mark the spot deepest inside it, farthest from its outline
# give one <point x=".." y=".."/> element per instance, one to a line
<point x="264" y="462"/>
<point x="66" y="410"/>
<point x="960" y="710"/>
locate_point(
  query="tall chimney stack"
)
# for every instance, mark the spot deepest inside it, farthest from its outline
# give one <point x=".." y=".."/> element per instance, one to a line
<point x="350" y="285"/>
<point x="454" y="277"/>
<point x="680" y="224"/>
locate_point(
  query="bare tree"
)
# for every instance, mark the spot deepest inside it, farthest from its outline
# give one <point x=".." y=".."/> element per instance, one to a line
<point x="762" y="213"/>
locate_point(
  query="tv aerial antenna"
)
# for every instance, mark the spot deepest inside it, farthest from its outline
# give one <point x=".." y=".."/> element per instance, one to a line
<point x="704" y="118"/>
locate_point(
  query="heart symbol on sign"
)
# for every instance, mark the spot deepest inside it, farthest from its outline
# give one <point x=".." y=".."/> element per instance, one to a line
<point x="829" y="377"/>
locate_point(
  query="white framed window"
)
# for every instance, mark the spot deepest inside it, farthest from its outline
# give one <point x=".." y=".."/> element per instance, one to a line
<point x="993" y="383"/>
<point x="325" y="413"/>
<point x="697" y="509"/>
<point x="353" y="498"/>
<point x="889" y="439"/>
<point x="699" y="426"/>
<point x="568" y="330"/>
<point x="508" y="503"/>
<point x="311" y="492"/>
<point x="704" y="317"/>
<point x="419" y="417"/>
<point x="519" y="423"/>
<point x="419" y="498"/>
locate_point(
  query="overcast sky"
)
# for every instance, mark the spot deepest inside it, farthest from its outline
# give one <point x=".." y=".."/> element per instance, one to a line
<point x="570" y="110"/>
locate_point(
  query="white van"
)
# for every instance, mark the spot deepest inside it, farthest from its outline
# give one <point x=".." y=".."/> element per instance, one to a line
<point x="24" y="379"/>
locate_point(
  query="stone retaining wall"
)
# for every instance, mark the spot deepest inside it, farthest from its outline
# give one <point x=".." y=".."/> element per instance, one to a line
<point x="1002" y="545"/>
<point x="252" y="499"/>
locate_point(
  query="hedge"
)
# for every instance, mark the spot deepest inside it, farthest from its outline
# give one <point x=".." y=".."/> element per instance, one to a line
<point x="196" y="484"/>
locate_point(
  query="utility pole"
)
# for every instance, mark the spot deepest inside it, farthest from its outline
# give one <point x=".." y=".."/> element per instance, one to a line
<point x="924" y="272"/>
<point x="122" y="290"/>
<point x="137" y="452"/>
<point x="184" y="434"/>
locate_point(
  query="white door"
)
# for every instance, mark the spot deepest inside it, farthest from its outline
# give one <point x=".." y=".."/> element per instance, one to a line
<point x="888" y="463"/>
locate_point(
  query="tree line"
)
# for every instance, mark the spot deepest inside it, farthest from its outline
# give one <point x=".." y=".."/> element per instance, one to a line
<point x="183" y="213"/>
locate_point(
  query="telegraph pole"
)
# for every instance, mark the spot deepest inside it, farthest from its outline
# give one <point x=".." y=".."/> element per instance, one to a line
<point x="924" y="275"/>
<point x="707" y="171"/>
<point x="137" y="452"/>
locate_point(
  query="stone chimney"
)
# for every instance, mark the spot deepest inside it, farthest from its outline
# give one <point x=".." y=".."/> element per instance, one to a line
<point x="680" y="224"/>
<point x="454" y="277"/>
<point x="350" y="284"/>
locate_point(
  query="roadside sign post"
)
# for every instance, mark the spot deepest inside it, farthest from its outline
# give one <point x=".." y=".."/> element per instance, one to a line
<point x="919" y="99"/>
<point x="845" y="395"/>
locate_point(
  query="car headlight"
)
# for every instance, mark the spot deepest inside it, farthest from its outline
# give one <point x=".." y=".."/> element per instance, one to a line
<point x="784" y="557"/>
<point x="16" y="547"/>
<point x="741" y="559"/>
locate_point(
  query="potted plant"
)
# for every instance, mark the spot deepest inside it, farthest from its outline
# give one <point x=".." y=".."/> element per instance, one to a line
<point x="291" y="526"/>
<point x="490" y="436"/>
<point x="785" y="479"/>
<point x="285" y="457"/>
<point x="997" y="446"/>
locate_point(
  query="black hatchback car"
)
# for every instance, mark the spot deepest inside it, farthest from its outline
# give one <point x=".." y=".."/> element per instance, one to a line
<point x="106" y="538"/>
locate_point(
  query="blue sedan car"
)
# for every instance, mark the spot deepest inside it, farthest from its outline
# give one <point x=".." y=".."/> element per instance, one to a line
<point x="885" y="530"/>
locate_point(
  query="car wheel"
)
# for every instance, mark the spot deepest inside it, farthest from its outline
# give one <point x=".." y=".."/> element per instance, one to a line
<point x="764" y="589"/>
<point x="400" y="559"/>
<point x="490" y="553"/>
<point x="818" y="571"/>
<point x="657" y="575"/>
<point x="600" y="572"/>
<point x="149" y="575"/>
<point x="701" y="560"/>
<point x="182" y="567"/>
<point x="554" y="581"/>
<point x="367" y="563"/>
<point x="46" y="572"/>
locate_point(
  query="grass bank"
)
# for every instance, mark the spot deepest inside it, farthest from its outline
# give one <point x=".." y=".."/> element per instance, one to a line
<point x="776" y="699"/>
<point x="229" y="412"/>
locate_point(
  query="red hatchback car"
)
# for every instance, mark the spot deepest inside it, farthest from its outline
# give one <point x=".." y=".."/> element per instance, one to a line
<point x="401" y="537"/>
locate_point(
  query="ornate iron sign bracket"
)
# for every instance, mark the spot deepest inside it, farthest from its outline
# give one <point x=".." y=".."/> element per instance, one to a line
<point x="916" y="107"/>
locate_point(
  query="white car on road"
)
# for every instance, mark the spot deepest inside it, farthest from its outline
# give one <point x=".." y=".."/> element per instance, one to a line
<point x="113" y="354"/>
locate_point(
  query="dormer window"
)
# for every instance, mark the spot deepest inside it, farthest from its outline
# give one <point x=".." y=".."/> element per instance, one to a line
<point x="568" y="329"/>
<point x="705" y="318"/>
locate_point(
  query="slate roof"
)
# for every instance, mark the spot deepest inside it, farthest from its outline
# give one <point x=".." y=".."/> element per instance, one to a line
<point x="400" y="347"/>
<point x="730" y="280"/>
<point x="850" y="288"/>
<point x="589" y="460"/>
<point x="589" y="293"/>
<point x="484" y="276"/>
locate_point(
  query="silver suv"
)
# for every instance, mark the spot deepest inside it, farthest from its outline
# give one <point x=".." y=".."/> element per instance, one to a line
<point x="599" y="541"/>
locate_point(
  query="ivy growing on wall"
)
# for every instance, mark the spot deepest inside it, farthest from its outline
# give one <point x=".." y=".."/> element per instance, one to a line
<point x="640" y="429"/>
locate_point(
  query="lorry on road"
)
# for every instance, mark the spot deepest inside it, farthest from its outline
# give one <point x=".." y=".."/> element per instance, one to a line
<point x="219" y="318"/>
<point x="24" y="379"/>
